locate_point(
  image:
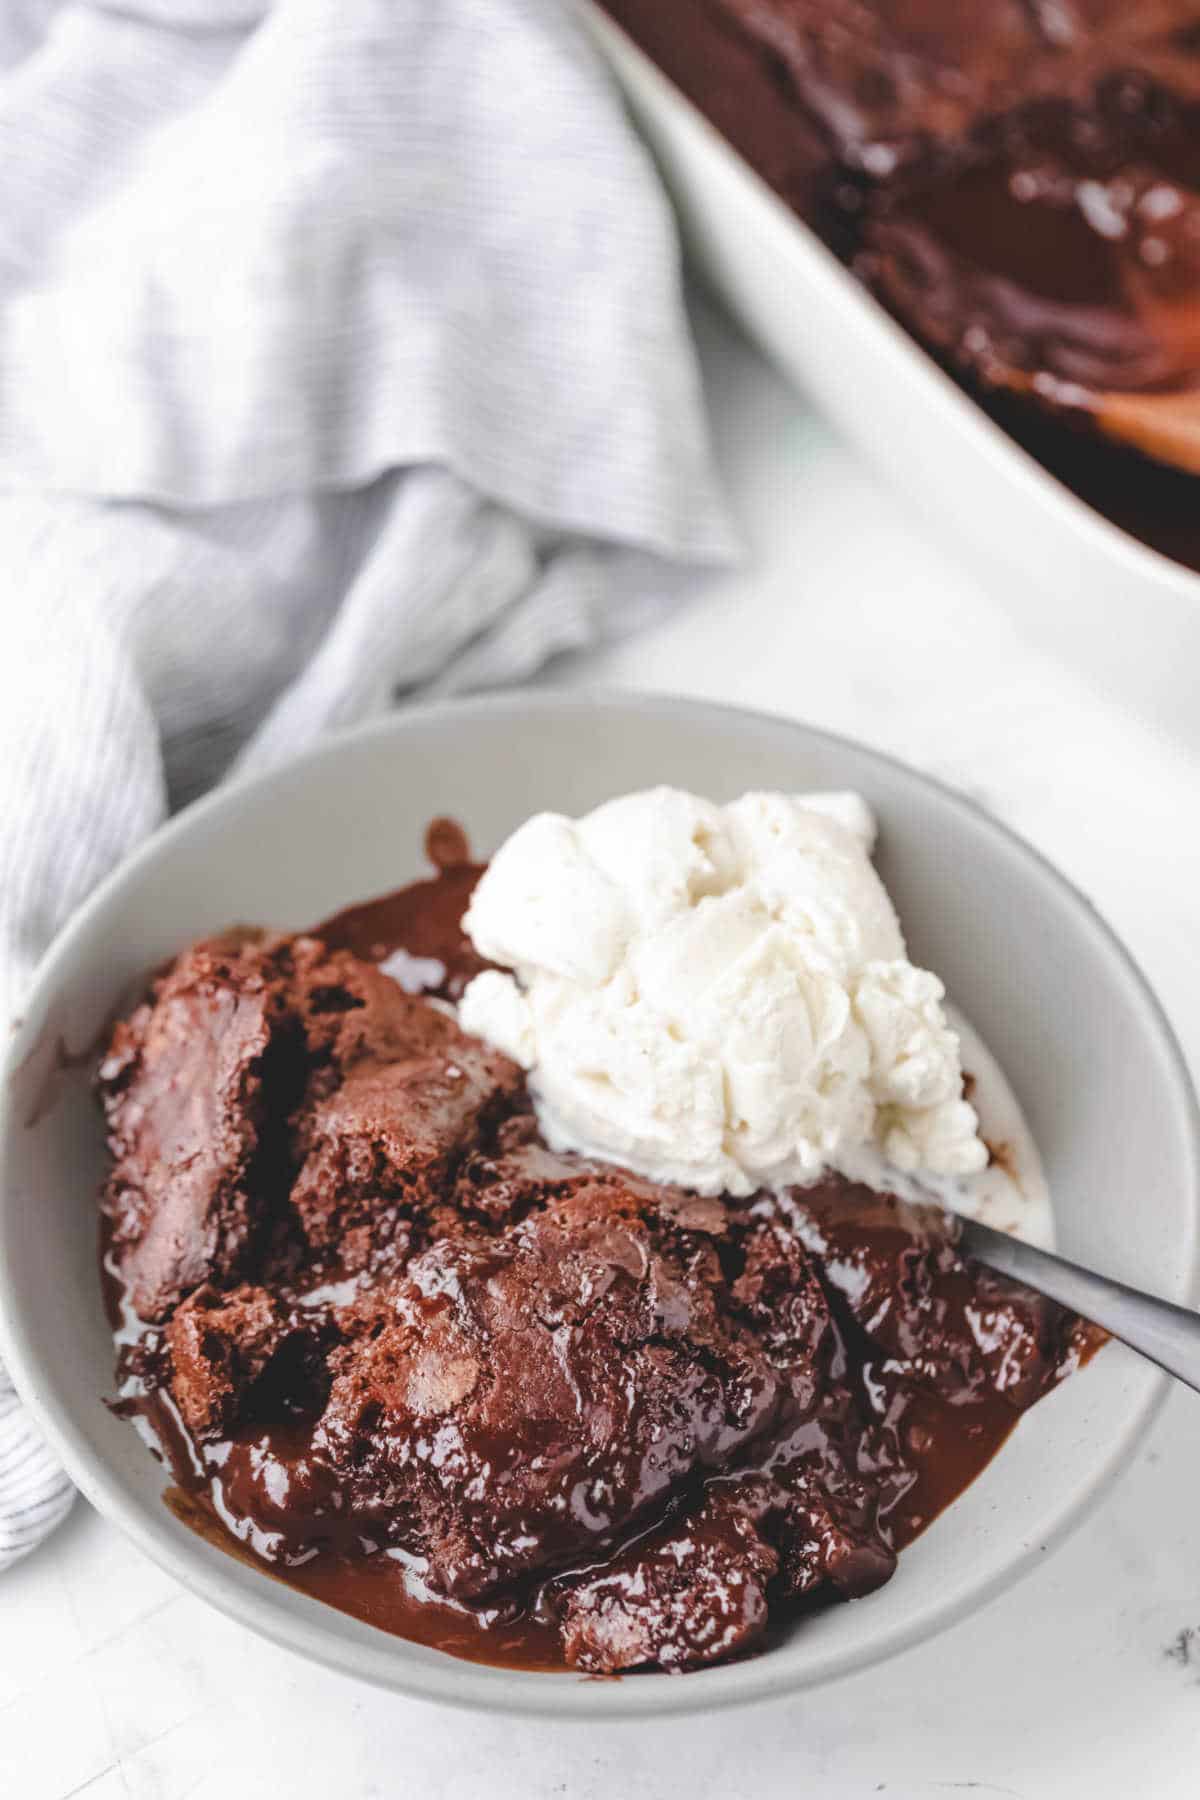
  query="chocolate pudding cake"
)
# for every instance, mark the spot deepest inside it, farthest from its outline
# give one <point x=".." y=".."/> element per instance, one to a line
<point x="1017" y="181"/>
<point x="523" y="1405"/>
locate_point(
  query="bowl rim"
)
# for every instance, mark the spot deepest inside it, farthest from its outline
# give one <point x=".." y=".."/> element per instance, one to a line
<point x="453" y="1681"/>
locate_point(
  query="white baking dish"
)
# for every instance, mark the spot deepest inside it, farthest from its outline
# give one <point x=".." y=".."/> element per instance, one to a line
<point x="827" y="333"/>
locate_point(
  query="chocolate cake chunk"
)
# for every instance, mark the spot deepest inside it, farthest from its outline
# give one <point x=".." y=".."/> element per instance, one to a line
<point x="519" y="1401"/>
<point x="937" y="1320"/>
<point x="831" y="1538"/>
<point x="690" y="1593"/>
<point x="825" y="1523"/>
<point x="379" y="1153"/>
<point x="700" y="1587"/>
<point x="782" y="1299"/>
<point x="498" y="1184"/>
<point x="349" y="1012"/>
<point x="184" y="1090"/>
<point x="242" y="1357"/>
<point x="384" y="1095"/>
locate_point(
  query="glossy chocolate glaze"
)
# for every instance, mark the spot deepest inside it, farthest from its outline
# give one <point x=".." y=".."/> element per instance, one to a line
<point x="1019" y="183"/>
<point x="817" y="1377"/>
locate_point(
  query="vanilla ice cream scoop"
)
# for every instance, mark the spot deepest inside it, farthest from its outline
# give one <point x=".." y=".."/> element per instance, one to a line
<point x="717" y="996"/>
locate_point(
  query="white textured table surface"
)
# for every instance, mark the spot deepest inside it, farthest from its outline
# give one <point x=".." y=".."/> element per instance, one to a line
<point x="1085" y="1679"/>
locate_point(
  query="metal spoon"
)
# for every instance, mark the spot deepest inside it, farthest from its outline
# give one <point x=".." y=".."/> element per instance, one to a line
<point x="1169" y="1335"/>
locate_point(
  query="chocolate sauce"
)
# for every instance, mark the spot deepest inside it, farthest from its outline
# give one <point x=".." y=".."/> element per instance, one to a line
<point x="521" y="1407"/>
<point x="421" y="923"/>
<point x="1018" y="183"/>
<point x="1157" y="505"/>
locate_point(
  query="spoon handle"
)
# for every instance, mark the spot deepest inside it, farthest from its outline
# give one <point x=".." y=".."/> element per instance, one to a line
<point x="1169" y="1335"/>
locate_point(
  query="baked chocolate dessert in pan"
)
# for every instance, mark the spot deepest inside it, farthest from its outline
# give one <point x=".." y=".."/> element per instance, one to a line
<point x="1018" y="181"/>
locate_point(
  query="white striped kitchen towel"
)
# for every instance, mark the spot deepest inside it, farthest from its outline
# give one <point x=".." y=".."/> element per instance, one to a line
<point x="342" y="360"/>
<point x="34" y="1492"/>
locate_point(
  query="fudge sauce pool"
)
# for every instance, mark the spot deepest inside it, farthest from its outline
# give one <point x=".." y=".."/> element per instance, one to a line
<point x="532" y="1409"/>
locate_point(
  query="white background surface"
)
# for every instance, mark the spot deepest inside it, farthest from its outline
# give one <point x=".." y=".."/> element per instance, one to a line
<point x="1085" y="1679"/>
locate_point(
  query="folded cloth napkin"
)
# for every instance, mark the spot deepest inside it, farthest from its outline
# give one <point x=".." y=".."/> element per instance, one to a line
<point x="342" y="359"/>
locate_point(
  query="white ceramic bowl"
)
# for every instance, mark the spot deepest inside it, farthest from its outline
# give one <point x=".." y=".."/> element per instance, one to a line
<point x="1056" y="997"/>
